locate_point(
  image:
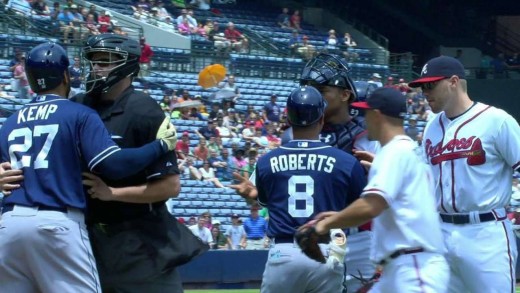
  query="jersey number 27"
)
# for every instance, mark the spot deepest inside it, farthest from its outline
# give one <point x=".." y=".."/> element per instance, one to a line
<point x="28" y="136"/>
<point x="305" y="195"/>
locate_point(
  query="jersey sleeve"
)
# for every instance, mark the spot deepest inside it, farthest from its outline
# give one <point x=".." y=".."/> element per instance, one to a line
<point x="508" y="142"/>
<point x="387" y="175"/>
<point x="95" y="143"/>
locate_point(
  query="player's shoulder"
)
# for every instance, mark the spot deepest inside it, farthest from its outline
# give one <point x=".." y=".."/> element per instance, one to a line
<point x="142" y="104"/>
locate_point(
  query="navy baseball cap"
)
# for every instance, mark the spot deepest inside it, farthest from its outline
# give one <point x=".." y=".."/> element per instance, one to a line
<point x="389" y="101"/>
<point x="439" y="68"/>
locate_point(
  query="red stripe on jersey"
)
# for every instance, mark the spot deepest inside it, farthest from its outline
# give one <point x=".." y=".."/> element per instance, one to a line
<point x="511" y="269"/>
<point x="453" y="162"/>
<point x="418" y="272"/>
<point x="440" y="168"/>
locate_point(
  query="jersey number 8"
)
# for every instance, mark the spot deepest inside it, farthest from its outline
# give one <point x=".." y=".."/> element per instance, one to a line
<point x="305" y="195"/>
<point x="41" y="159"/>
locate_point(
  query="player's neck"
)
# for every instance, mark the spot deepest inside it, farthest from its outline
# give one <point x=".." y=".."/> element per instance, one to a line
<point x="389" y="133"/>
<point x="341" y="117"/>
<point x="459" y="106"/>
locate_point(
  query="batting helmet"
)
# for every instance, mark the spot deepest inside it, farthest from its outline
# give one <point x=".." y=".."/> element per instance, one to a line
<point x="328" y="69"/>
<point x="305" y="106"/>
<point x="45" y="67"/>
<point x="122" y="58"/>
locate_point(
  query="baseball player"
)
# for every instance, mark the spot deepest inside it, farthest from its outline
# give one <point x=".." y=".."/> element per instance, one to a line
<point x="330" y="75"/>
<point x="44" y="245"/>
<point x="473" y="150"/>
<point x="297" y="181"/>
<point x="400" y="198"/>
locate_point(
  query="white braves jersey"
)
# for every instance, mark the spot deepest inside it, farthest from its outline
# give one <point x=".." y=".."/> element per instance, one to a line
<point x="400" y="176"/>
<point x="473" y="158"/>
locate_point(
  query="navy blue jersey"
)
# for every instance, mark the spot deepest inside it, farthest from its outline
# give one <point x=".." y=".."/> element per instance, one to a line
<point x="303" y="178"/>
<point x="53" y="140"/>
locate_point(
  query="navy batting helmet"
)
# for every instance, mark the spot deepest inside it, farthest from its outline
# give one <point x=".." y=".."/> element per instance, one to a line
<point x="45" y="67"/>
<point x="328" y="69"/>
<point x="305" y="106"/>
<point x="121" y="60"/>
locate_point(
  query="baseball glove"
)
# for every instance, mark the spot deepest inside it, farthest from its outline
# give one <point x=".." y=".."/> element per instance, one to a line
<point x="308" y="239"/>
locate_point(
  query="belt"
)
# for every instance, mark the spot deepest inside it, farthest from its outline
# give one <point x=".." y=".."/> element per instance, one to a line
<point x="10" y="207"/>
<point x="255" y="238"/>
<point x="465" y="219"/>
<point x="290" y="239"/>
<point x="400" y="252"/>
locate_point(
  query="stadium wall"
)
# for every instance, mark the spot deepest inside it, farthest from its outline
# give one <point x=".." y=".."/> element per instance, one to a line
<point x="501" y="93"/>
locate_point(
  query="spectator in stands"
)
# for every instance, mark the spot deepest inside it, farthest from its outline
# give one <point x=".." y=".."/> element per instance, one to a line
<point x="167" y="24"/>
<point x="215" y="109"/>
<point x="92" y="10"/>
<point x="208" y="174"/>
<point x="376" y="79"/>
<point x="77" y="22"/>
<point x="296" y="20"/>
<point x="306" y="50"/>
<point x="236" y="235"/>
<point x="182" y="148"/>
<point x="238" y="41"/>
<point x="21" y="78"/>
<point x="260" y="139"/>
<point x="390" y="82"/>
<point x="185" y="16"/>
<point x="192" y="20"/>
<point x="402" y="86"/>
<point x="201" y="151"/>
<point x="16" y="59"/>
<point x="153" y="18"/>
<point x="76" y="76"/>
<point x="201" y="231"/>
<point x="248" y="169"/>
<point x="188" y="170"/>
<point x="104" y="22"/>
<point x="191" y="221"/>
<point x="331" y="42"/>
<point x="248" y="133"/>
<point x="40" y="8"/>
<point x="119" y="31"/>
<point x="212" y="144"/>
<point x="141" y="14"/>
<point x="272" y="138"/>
<point x="238" y="159"/>
<point x="223" y="131"/>
<point x="232" y="122"/>
<point x="91" y="27"/>
<point x="500" y="66"/>
<point x="184" y="28"/>
<point x="66" y="20"/>
<point x="271" y="111"/>
<point x="145" y="59"/>
<point x="295" y="42"/>
<point x="348" y="41"/>
<point x="283" y="19"/>
<point x="411" y="130"/>
<point x="255" y="227"/>
<point x="230" y="86"/>
<point x="218" y="38"/>
<point x="207" y="131"/>
<point x="162" y="12"/>
<point x="4" y="95"/>
<point x="195" y="115"/>
<point x="219" y="240"/>
<point x="216" y="163"/>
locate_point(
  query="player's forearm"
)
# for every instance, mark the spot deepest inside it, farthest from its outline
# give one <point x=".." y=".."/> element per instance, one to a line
<point x="151" y="192"/>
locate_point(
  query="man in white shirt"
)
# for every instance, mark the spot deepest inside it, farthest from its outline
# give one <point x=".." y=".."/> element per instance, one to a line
<point x="236" y="235"/>
<point x="400" y="199"/>
<point x="201" y="231"/>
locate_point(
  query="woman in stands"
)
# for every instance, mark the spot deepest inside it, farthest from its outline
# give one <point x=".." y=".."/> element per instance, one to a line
<point x="208" y="174"/>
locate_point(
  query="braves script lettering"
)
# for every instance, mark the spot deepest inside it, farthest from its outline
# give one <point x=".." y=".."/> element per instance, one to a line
<point x="469" y="148"/>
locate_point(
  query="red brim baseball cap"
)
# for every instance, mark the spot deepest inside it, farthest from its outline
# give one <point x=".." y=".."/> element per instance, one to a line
<point x="388" y="100"/>
<point x="439" y="68"/>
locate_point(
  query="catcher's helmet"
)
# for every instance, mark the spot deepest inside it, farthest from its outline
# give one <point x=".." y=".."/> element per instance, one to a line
<point x="305" y="106"/>
<point x="45" y="67"/>
<point x="328" y="69"/>
<point x="123" y="54"/>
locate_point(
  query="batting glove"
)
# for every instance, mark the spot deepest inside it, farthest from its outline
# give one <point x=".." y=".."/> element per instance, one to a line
<point x="167" y="134"/>
<point x="337" y="248"/>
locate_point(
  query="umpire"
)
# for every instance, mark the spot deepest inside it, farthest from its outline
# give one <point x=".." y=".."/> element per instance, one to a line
<point x="128" y="221"/>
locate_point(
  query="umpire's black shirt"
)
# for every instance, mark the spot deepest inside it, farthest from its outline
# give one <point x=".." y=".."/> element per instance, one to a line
<point x="133" y="120"/>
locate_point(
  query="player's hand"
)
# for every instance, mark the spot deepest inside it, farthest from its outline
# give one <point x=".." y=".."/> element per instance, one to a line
<point x="244" y="187"/>
<point x="167" y="134"/>
<point x="97" y="188"/>
<point x="9" y="178"/>
<point x="319" y="224"/>
<point x="365" y="158"/>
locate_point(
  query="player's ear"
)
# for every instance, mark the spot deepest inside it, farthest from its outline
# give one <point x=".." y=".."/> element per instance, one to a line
<point x="346" y="95"/>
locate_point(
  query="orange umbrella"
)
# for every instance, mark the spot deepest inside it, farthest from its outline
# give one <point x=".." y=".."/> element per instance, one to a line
<point x="211" y="75"/>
